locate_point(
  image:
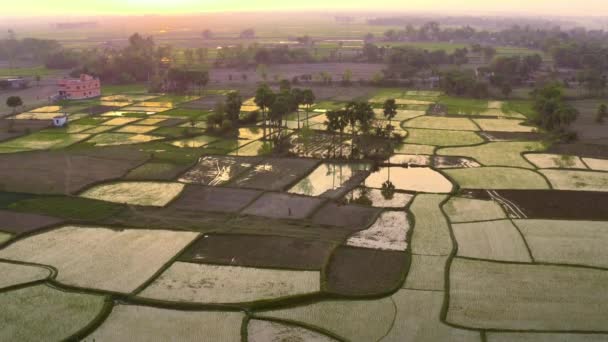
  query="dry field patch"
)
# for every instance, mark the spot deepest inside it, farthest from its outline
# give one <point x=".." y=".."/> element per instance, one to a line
<point x="491" y="295"/>
<point x="141" y="323"/>
<point x="460" y="209"/>
<point x="42" y="313"/>
<point x="567" y="242"/>
<point x="389" y="232"/>
<point x="548" y="161"/>
<point x="101" y="258"/>
<point x="15" y="274"/>
<point x="494" y="240"/>
<point x="353" y="320"/>
<point x="156" y="194"/>
<point x="201" y="283"/>
<point x="577" y="180"/>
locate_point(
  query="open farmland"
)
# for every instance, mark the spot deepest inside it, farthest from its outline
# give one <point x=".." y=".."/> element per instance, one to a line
<point x="464" y="227"/>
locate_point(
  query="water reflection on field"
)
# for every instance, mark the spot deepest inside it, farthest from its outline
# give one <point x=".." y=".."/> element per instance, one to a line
<point x="422" y="179"/>
<point x="328" y="176"/>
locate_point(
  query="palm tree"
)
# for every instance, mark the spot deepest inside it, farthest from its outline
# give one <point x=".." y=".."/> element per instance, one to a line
<point x="337" y="120"/>
<point x="358" y="112"/>
<point x="264" y="97"/>
<point x="308" y="99"/>
<point x="297" y="99"/>
<point x="278" y="109"/>
<point x="390" y="111"/>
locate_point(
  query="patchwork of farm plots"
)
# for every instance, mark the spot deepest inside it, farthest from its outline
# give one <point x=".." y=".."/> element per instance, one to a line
<point x="134" y="223"/>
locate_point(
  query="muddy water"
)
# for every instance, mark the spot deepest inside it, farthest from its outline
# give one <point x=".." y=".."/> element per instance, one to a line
<point x="448" y="162"/>
<point x="408" y="160"/>
<point x="196" y="142"/>
<point x="217" y="170"/>
<point x="327" y="177"/>
<point x="419" y="179"/>
<point x="377" y="198"/>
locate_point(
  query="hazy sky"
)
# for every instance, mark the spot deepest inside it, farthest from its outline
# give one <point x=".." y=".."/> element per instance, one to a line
<point x="58" y="7"/>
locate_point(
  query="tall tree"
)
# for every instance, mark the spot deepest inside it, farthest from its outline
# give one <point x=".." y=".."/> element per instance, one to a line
<point x="278" y="109"/>
<point x="14" y="102"/>
<point x="555" y="114"/>
<point x="308" y="99"/>
<point x="297" y="99"/>
<point x="360" y="113"/>
<point x="390" y="111"/>
<point x="337" y="121"/>
<point x="233" y="107"/>
<point x="264" y="97"/>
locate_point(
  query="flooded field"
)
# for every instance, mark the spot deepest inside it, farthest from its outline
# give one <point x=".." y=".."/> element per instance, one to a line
<point x="419" y="179"/>
<point x="327" y="177"/>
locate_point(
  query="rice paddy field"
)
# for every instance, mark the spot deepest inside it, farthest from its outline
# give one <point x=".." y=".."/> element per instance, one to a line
<point x="137" y="223"/>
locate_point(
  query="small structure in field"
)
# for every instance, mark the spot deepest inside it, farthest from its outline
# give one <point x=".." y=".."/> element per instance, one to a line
<point x="85" y="87"/>
<point x="60" y="120"/>
<point x="13" y="83"/>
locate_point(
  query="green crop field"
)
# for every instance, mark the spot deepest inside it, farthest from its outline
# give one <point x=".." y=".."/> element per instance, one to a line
<point x="137" y="226"/>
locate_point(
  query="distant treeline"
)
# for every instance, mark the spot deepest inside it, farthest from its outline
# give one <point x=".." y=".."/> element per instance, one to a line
<point x="241" y="56"/>
<point x="29" y="49"/>
<point x="493" y="23"/>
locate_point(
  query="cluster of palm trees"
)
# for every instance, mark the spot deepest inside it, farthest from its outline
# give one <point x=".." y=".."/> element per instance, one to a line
<point x="275" y="106"/>
<point x="356" y="115"/>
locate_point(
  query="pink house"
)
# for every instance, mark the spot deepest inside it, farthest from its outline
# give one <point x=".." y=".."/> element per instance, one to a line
<point x="84" y="87"/>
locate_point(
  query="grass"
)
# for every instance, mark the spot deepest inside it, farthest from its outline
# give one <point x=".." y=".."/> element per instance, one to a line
<point x="493" y="240"/>
<point x="31" y="313"/>
<point x="426" y="273"/>
<point x="43" y="141"/>
<point x="430" y="46"/>
<point x="460" y="209"/>
<point x="567" y="242"/>
<point x="15" y="274"/>
<point x="524" y="107"/>
<point x="136" y="88"/>
<point x="101" y="258"/>
<point x="441" y="138"/>
<point x="463" y="106"/>
<point x="417" y="319"/>
<point x="201" y="283"/>
<point x="353" y="320"/>
<point x="504" y="125"/>
<point x="497" y="178"/>
<point x="5" y="237"/>
<point x="136" y="193"/>
<point x="431" y="234"/>
<point x="112" y="139"/>
<point x="133" y="323"/>
<point x="496" y="153"/>
<point x="71" y="208"/>
<point x="437" y="122"/>
<point x="491" y="295"/>
<point x="175" y="99"/>
<point x="28" y="72"/>
<point x="577" y="180"/>
<point x="547" y="161"/>
<point x="191" y="114"/>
